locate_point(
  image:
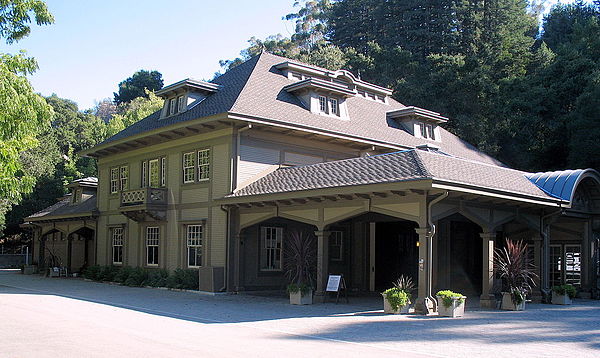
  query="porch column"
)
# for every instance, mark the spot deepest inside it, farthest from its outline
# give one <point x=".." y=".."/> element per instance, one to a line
<point x="487" y="299"/>
<point x="545" y="264"/>
<point x="586" y="257"/>
<point x="424" y="279"/>
<point x="69" y="252"/>
<point x="322" y="264"/>
<point x="238" y="262"/>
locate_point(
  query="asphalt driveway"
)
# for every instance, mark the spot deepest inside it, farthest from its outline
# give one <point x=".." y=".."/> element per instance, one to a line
<point x="51" y="317"/>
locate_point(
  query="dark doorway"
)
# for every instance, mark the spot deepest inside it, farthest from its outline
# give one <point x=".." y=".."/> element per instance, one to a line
<point x="460" y="256"/>
<point x="396" y="252"/>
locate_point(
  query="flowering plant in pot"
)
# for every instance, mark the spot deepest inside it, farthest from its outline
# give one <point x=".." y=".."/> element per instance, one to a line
<point x="300" y="263"/>
<point x="563" y="294"/>
<point x="516" y="270"/>
<point x="396" y="300"/>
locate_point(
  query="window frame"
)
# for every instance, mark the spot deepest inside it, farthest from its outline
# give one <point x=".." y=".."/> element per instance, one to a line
<point x="162" y="172"/>
<point x="152" y="243"/>
<point x="180" y="102"/>
<point x="262" y="242"/>
<point x="117" y="237"/>
<point x="172" y="106"/>
<point x="117" y="181"/>
<point x="196" y="244"/>
<point x="333" y="233"/>
<point x="323" y="104"/>
<point x="191" y="169"/>
<point x="196" y="165"/>
<point x="204" y="167"/>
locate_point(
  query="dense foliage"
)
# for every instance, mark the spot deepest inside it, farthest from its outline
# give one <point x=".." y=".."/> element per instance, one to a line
<point x="138" y="85"/>
<point x="140" y="277"/>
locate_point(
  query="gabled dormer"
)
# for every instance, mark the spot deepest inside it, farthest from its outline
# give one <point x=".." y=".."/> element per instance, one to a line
<point x="183" y="95"/>
<point x="419" y="122"/>
<point x="82" y="189"/>
<point x="325" y="92"/>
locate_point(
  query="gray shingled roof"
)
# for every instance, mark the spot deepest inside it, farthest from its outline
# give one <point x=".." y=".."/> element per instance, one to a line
<point x="256" y="89"/>
<point x="394" y="167"/>
<point x="87" y="207"/>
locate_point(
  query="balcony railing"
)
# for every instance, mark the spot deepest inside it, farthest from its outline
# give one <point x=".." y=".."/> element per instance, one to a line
<point x="144" y="196"/>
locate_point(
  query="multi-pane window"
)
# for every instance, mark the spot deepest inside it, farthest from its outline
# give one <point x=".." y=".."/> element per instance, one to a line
<point x="427" y="131"/>
<point x="117" y="245"/>
<point x="323" y="104"/>
<point x="430" y="132"/>
<point x="334" y="105"/>
<point x="565" y="264"/>
<point x="189" y="168"/>
<point x="336" y="246"/>
<point x="180" y="103"/>
<point x="154" y="172"/>
<point x="271" y="252"/>
<point x="204" y="164"/>
<point x="119" y="179"/>
<point x="196" y="166"/>
<point x="194" y="245"/>
<point x="556" y="265"/>
<point x="152" y="241"/>
<point x="172" y="106"/>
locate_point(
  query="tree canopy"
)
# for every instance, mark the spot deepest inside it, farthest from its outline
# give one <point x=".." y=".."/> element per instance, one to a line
<point x="136" y="86"/>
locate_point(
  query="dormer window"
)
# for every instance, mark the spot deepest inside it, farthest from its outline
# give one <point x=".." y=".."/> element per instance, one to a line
<point x="427" y="131"/>
<point x="172" y="106"/>
<point x="334" y="106"/>
<point x="180" y="104"/>
<point x="323" y="104"/>
<point x="181" y="96"/>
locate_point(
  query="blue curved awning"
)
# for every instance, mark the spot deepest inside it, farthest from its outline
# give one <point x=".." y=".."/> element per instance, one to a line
<point x="561" y="184"/>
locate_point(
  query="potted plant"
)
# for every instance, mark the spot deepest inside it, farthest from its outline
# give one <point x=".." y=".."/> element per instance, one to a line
<point x="563" y="294"/>
<point x="516" y="270"/>
<point x="450" y="304"/>
<point x="396" y="300"/>
<point x="300" y="263"/>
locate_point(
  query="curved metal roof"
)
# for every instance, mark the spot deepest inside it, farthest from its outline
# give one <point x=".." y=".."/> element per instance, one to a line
<point x="562" y="184"/>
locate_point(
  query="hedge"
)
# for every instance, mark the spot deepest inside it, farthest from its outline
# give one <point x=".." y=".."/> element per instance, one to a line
<point x="139" y="277"/>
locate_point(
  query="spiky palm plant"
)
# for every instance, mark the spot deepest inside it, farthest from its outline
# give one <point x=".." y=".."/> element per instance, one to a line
<point x="405" y="283"/>
<point x="515" y="268"/>
<point x="300" y="261"/>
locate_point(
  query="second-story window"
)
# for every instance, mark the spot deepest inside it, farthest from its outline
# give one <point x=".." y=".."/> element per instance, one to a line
<point x="323" y="104"/>
<point x="154" y="172"/>
<point x="196" y="166"/>
<point x="119" y="179"/>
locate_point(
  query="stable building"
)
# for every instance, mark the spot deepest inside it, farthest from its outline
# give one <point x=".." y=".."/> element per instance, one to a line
<point x="217" y="179"/>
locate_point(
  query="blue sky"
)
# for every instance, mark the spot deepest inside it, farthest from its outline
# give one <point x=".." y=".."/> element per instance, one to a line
<point x="93" y="45"/>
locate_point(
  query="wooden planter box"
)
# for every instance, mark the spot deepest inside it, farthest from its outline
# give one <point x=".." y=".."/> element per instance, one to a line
<point x="299" y="299"/>
<point x="507" y="303"/>
<point x="560" y="299"/>
<point x="456" y="309"/>
<point x="387" y="307"/>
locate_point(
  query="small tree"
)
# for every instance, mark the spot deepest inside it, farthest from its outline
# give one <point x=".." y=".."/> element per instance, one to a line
<point x="516" y="269"/>
<point x="300" y="261"/>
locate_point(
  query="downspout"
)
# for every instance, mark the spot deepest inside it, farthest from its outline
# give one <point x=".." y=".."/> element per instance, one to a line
<point x="546" y="251"/>
<point x="234" y="170"/>
<point x="430" y="236"/>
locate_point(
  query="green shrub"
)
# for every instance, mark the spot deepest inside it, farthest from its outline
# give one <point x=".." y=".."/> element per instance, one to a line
<point x="157" y="278"/>
<point x="294" y="288"/>
<point x="567" y="289"/>
<point x="136" y="278"/>
<point x="396" y="297"/>
<point x="448" y="296"/>
<point x="92" y="272"/>
<point x="108" y="273"/>
<point x="123" y="274"/>
<point x="183" y="279"/>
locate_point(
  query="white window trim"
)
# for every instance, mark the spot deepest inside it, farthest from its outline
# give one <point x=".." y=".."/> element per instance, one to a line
<point x="150" y="242"/>
<point x="114" y="180"/>
<point x="117" y="239"/>
<point x="192" y="167"/>
<point x="198" y="245"/>
<point x="207" y="164"/>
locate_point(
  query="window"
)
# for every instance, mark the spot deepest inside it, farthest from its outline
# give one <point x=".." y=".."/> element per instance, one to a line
<point x="323" y="104"/>
<point x="271" y="248"/>
<point x="76" y="196"/>
<point x="555" y="265"/>
<point x="430" y="132"/>
<point x="117" y="245"/>
<point x="196" y="166"/>
<point x="427" y="130"/>
<point x="194" y="245"/>
<point x="334" y="105"/>
<point x="152" y="240"/>
<point x="204" y="164"/>
<point x="180" y="104"/>
<point x="172" y="106"/>
<point x="565" y="264"/>
<point x="188" y="167"/>
<point x="154" y="172"/>
<point x="119" y="179"/>
<point x="336" y="246"/>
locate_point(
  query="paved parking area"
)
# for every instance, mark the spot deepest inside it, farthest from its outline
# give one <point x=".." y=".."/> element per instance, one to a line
<point x="50" y="317"/>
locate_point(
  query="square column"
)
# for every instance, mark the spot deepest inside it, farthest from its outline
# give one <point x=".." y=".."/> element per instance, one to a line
<point x="545" y="264"/>
<point x="322" y="264"/>
<point x="487" y="299"/>
<point x="423" y="303"/>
